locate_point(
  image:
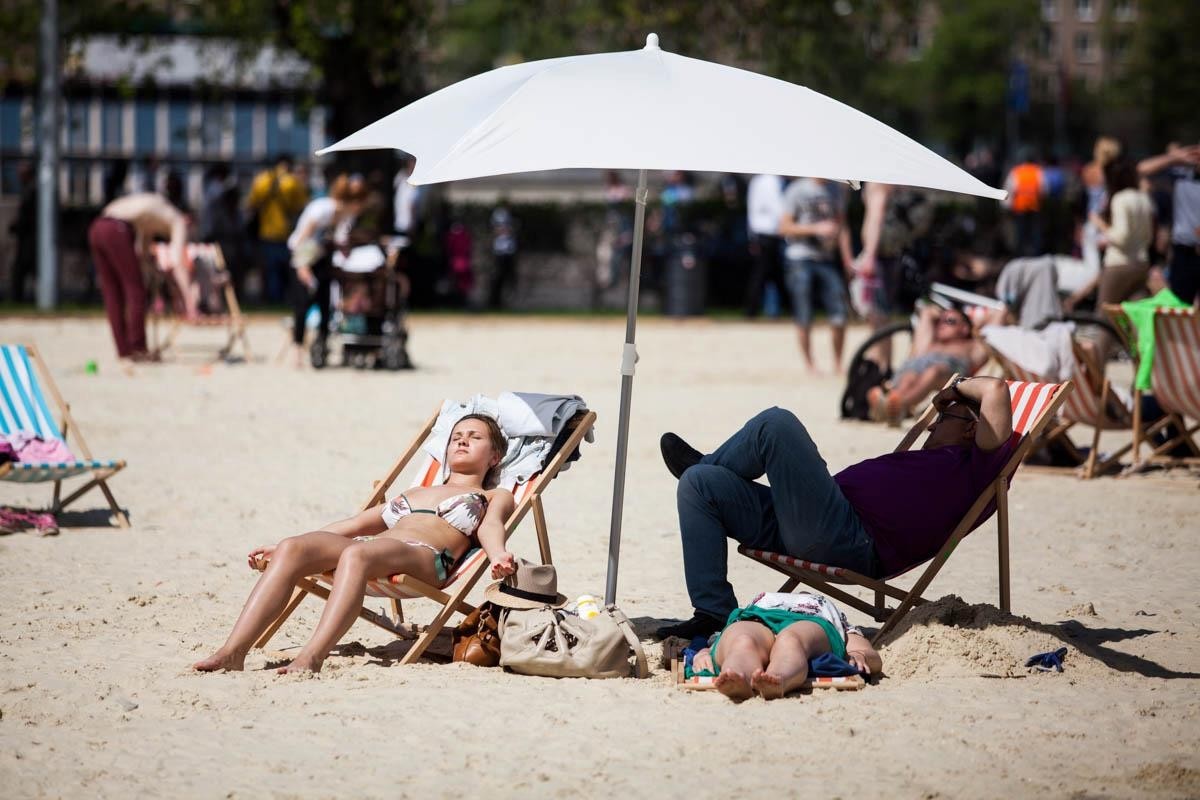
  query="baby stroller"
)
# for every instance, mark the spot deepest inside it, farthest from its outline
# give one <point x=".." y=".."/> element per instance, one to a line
<point x="368" y="306"/>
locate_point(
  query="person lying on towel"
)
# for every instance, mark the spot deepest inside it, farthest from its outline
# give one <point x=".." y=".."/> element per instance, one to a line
<point x="766" y="647"/>
<point x="879" y="517"/>
<point x="423" y="532"/>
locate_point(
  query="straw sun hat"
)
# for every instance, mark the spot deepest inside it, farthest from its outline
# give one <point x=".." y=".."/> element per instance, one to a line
<point x="531" y="586"/>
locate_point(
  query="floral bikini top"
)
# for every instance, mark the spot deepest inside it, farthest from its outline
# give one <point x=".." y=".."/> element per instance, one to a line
<point x="463" y="511"/>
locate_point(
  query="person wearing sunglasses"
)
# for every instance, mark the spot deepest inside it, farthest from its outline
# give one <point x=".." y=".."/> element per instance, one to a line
<point x="878" y="517"/>
<point x="944" y="344"/>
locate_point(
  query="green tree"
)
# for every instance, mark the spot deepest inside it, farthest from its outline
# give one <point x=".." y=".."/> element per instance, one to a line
<point x="1162" y="76"/>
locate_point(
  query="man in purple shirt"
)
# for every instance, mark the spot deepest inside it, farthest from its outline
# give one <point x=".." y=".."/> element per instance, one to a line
<point x="878" y="517"/>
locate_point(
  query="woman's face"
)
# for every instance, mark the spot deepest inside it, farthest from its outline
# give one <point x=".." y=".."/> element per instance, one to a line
<point x="470" y="448"/>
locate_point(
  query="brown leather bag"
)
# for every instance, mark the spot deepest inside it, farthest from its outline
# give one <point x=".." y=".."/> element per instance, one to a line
<point x="477" y="638"/>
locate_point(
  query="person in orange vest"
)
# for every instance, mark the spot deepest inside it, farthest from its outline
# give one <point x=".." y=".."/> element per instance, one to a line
<point x="1026" y="187"/>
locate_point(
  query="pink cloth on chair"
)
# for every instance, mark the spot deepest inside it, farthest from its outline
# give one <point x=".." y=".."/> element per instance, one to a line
<point x="31" y="448"/>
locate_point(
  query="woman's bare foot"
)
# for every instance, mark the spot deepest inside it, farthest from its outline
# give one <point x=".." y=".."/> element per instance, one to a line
<point x="220" y="660"/>
<point x="733" y="685"/>
<point x="771" y="687"/>
<point x="300" y="665"/>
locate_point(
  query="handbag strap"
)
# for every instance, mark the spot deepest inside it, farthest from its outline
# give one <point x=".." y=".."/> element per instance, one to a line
<point x="641" y="671"/>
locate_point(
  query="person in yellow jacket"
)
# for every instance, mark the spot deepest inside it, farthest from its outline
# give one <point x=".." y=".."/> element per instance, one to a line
<point x="277" y="197"/>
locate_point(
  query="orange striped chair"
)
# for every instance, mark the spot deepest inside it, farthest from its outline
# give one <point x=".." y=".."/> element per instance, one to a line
<point x="452" y="594"/>
<point x="1033" y="406"/>
<point x="1175" y="374"/>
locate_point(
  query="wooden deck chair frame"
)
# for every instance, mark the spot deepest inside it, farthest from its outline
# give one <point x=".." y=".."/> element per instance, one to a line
<point x="467" y="577"/>
<point x="69" y="427"/>
<point x="1092" y="403"/>
<point x="822" y="577"/>
<point x="1142" y="433"/>
<point x="235" y="325"/>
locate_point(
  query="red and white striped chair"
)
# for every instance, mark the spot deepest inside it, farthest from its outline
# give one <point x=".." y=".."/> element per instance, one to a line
<point x="1033" y="405"/>
<point x="1092" y="403"/>
<point x="1175" y="374"/>
<point x="469" y="569"/>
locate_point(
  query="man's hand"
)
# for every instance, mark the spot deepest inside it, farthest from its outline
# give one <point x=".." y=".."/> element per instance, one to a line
<point x="825" y="229"/>
<point x="859" y="659"/>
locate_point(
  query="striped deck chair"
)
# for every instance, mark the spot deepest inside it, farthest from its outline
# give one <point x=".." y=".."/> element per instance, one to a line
<point x="1175" y="323"/>
<point x="470" y="568"/>
<point x="1092" y="403"/>
<point x="23" y="407"/>
<point x="1033" y="404"/>
<point x="232" y="319"/>
<point x="1175" y="374"/>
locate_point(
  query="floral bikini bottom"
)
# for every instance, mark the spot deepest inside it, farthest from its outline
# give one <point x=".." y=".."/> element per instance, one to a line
<point x="443" y="560"/>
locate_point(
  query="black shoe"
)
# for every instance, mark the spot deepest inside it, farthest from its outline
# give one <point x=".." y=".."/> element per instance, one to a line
<point x="700" y="624"/>
<point x="678" y="454"/>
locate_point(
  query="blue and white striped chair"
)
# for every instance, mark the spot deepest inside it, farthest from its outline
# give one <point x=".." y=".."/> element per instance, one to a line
<point x="23" y="407"/>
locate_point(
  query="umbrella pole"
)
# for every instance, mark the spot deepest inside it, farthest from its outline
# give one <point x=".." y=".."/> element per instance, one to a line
<point x="628" y="360"/>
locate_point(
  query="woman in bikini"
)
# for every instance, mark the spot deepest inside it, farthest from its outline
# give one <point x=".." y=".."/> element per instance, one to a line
<point x="423" y="533"/>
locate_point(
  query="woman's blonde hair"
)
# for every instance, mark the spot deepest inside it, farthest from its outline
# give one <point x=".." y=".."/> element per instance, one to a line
<point x="1106" y="150"/>
<point x="496" y="438"/>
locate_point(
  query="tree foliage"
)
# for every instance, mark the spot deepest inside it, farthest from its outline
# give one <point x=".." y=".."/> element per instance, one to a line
<point x="1163" y="73"/>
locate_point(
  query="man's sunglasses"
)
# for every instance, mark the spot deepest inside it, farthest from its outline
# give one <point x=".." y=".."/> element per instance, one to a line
<point x="944" y="414"/>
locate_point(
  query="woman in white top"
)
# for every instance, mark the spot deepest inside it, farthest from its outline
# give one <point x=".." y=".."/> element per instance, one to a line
<point x="319" y="224"/>
<point x="1127" y="224"/>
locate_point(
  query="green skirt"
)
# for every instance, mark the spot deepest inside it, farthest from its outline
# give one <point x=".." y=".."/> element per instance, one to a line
<point x="776" y="619"/>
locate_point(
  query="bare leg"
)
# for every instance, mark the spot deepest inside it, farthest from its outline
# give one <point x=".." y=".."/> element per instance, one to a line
<point x="360" y="562"/>
<point x="909" y="393"/>
<point x="788" y="667"/>
<point x="742" y="651"/>
<point x="839" y="344"/>
<point x="294" y="558"/>
<point x="802" y="338"/>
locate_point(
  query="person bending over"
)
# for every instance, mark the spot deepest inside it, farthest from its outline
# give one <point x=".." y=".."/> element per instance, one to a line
<point x="766" y="646"/>
<point x="423" y="533"/>
<point x="879" y="517"/>
<point x="943" y="344"/>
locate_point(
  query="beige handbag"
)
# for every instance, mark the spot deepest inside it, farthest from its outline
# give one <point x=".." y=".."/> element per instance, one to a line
<point x="555" y="644"/>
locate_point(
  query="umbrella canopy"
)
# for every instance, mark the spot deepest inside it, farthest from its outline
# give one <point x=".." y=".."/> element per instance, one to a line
<point x="647" y="109"/>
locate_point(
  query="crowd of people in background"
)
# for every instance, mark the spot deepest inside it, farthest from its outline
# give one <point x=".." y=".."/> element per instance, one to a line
<point x="808" y="243"/>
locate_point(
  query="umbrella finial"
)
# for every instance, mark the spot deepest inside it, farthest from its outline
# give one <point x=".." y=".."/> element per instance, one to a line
<point x="652" y="41"/>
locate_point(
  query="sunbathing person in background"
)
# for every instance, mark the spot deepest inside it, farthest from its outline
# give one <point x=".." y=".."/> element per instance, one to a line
<point x="878" y="517"/>
<point x="943" y="344"/>
<point x="422" y="533"/>
<point x="766" y="646"/>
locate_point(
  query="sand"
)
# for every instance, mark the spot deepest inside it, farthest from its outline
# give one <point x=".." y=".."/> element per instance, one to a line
<point x="100" y="624"/>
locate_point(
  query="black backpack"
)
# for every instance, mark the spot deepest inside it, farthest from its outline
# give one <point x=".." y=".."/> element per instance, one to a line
<point x="864" y="375"/>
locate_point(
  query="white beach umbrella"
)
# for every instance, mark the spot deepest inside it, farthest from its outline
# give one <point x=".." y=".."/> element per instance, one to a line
<point x="647" y="109"/>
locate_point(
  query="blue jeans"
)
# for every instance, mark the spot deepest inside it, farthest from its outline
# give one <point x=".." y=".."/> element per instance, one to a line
<point x="800" y="276"/>
<point x="802" y="513"/>
<point x="277" y="264"/>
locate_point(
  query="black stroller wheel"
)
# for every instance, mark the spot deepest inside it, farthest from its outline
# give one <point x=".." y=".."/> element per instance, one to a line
<point x="395" y="355"/>
<point x="318" y="354"/>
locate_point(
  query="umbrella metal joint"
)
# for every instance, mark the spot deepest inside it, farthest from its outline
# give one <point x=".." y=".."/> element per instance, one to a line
<point x="629" y="359"/>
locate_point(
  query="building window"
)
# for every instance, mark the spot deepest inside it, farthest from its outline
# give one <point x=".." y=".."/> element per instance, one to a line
<point x="77" y="125"/>
<point x="10" y="123"/>
<point x="275" y="143"/>
<point x="1085" y="48"/>
<point x="1050" y="10"/>
<point x="178" y="131"/>
<point x="145" y="127"/>
<point x="212" y="123"/>
<point x="1124" y="10"/>
<point x="112" y="127"/>
<point x="1085" y="10"/>
<point x="301" y="139"/>
<point x="1120" y="47"/>
<point x="1046" y="42"/>
<point x="243" y="130"/>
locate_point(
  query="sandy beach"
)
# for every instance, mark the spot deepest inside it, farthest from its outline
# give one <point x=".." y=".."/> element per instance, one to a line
<point x="100" y="624"/>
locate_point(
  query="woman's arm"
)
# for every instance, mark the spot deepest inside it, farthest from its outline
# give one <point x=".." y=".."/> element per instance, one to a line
<point x="491" y="532"/>
<point x="364" y="523"/>
<point x="861" y="654"/>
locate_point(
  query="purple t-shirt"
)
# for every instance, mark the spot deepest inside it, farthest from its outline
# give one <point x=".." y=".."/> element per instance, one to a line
<point x="910" y="502"/>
